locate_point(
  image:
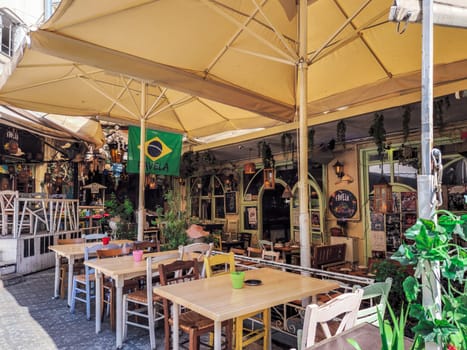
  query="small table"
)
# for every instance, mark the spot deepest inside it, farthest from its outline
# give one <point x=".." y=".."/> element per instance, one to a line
<point x="365" y="334"/>
<point x="71" y="252"/>
<point x="216" y="299"/>
<point x="234" y="243"/>
<point x="119" y="269"/>
<point x="286" y="251"/>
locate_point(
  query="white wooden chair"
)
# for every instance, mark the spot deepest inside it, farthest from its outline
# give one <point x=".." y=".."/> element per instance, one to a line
<point x="345" y="306"/>
<point x="266" y="245"/>
<point x="197" y="251"/>
<point x="375" y="296"/>
<point x="8" y="199"/>
<point x="145" y="302"/>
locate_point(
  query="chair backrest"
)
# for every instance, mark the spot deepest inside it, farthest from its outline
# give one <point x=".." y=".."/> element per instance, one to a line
<point x="345" y="305"/>
<point x="150" y="246"/>
<point x="178" y="271"/>
<point x="70" y="241"/>
<point x="197" y="251"/>
<point x="265" y="244"/>
<point x="375" y="295"/>
<point x="270" y="255"/>
<point x="94" y="237"/>
<point x="219" y="264"/>
<point x="254" y="252"/>
<point x="152" y="269"/>
<point x="238" y="251"/>
<point x="217" y="237"/>
<point x="113" y="252"/>
<point x="245" y="237"/>
<point x="7" y="200"/>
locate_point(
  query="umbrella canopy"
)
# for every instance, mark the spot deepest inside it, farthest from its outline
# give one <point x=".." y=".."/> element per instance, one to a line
<point x="245" y="53"/>
<point x="50" y="84"/>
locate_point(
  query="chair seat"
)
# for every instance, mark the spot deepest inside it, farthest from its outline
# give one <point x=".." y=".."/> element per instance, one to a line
<point x="191" y="319"/>
<point x="82" y="278"/>
<point x="140" y="296"/>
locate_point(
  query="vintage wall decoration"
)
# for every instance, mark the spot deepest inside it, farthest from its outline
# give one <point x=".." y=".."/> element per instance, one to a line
<point x="343" y="204"/>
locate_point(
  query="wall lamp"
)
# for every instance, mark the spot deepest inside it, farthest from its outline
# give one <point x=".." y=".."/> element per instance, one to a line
<point x="339" y="169"/>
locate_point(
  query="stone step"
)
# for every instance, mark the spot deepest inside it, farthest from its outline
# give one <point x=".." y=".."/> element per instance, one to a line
<point x="10" y="279"/>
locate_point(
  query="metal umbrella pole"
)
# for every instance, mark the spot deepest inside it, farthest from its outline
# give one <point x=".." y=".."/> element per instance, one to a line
<point x="426" y="207"/>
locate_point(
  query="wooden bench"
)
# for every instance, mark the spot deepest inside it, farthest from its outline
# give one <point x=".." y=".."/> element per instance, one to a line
<point x="328" y="255"/>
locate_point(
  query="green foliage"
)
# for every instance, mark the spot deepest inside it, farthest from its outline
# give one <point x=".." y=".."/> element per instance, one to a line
<point x="433" y="244"/>
<point x="265" y="152"/>
<point x="340" y="132"/>
<point x="378" y="132"/>
<point x="173" y="223"/>
<point x="116" y="208"/>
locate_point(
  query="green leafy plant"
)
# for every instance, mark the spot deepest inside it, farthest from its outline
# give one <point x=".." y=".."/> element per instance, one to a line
<point x="121" y="213"/>
<point x="434" y="243"/>
<point x="173" y="223"/>
<point x="340" y="132"/>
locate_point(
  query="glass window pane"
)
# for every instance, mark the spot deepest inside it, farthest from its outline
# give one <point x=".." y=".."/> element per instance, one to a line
<point x="220" y="210"/>
<point x="374" y="174"/>
<point x="405" y="174"/>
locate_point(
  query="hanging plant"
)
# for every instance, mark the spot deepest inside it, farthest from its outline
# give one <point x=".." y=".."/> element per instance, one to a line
<point x="311" y="139"/>
<point x="264" y="151"/>
<point x="378" y="133"/>
<point x="287" y="144"/>
<point x="439" y="106"/>
<point x="406" y="121"/>
<point x="340" y="132"/>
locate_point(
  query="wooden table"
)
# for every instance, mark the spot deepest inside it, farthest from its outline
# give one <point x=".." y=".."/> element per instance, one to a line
<point x="72" y="252"/>
<point x="365" y="334"/>
<point x="119" y="269"/>
<point x="216" y="299"/>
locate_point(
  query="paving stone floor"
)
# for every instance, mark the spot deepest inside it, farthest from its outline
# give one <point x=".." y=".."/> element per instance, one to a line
<point x="31" y="319"/>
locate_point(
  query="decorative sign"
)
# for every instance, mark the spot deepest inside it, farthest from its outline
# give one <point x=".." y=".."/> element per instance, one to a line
<point x="343" y="204"/>
<point x="231" y="202"/>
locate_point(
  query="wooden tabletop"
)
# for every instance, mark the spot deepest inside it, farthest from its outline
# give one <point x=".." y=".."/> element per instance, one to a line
<point x="124" y="265"/>
<point x="365" y="334"/>
<point x="216" y="299"/>
<point x="77" y="249"/>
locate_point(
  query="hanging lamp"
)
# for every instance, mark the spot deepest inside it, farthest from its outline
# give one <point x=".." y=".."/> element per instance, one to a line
<point x="250" y="167"/>
<point x="382" y="195"/>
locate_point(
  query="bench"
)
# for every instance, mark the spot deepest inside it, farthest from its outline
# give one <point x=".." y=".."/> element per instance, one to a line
<point x="325" y="256"/>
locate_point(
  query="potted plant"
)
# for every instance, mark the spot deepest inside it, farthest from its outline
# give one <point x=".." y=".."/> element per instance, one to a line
<point x="121" y="217"/>
<point x="434" y="243"/>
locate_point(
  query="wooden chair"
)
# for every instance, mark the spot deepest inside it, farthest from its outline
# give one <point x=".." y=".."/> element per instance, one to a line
<point x="219" y="264"/>
<point x="136" y="304"/>
<point x="189" y="321"/>
<point x="243" y="336"/>
<point x="245" y="237"/>
<point x="78" y="266"/>
<point x="217" y="240"/>
<point x="147" y="246"/>
<point x="7" y="205"/>
<point x="108" y="285"/>
<point x="238" y="251"/>
<point x="197" y="251"/>
<point x="345" y="305"/>
<point x="375" y="297"/>
<point x="266" y="245"/>
<point x="271" y="255"/>
<point x="84" y="284"/>
<point x="94" y="237"/>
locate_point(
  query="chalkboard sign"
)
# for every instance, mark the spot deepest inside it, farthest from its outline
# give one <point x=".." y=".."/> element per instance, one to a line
<point x="343" y="204"/>
<point x="231" y="202"/>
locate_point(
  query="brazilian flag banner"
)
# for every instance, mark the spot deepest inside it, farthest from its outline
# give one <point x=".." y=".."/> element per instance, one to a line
<point x="162" y="150"/>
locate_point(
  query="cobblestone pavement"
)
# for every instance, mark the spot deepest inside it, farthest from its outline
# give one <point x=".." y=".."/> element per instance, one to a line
<point x="31" y="319"/>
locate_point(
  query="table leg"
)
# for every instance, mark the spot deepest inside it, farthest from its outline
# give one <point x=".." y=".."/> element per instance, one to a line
<point x="119" y="311"/>
<point x="97" y="301"/>
<point x="175" y="318"/>
<point x="217" y="335"/>
<point x="71" y="262"/>
<point x="267" y="314"/>
<point x="57" y="276"/>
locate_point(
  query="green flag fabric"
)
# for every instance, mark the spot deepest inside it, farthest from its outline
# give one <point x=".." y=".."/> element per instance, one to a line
<point x="162" y="150"/>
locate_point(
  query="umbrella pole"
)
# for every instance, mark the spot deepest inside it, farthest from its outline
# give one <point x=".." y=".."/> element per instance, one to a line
<point x="305" y="259"/>
<point x="142" y="169"/>
<point x="431" y="272"/>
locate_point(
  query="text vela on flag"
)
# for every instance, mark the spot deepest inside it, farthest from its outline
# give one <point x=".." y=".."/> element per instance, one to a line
<point x="162" y="151"/>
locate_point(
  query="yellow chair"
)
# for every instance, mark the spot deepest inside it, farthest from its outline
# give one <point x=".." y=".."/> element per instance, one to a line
<point x="227" y="264"/>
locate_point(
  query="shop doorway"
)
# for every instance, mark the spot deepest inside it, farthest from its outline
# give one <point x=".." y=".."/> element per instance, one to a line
<point x="275" y="214"/>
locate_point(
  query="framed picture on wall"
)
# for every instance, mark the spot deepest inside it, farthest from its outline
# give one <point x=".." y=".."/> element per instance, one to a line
<point x="231" y="202"/>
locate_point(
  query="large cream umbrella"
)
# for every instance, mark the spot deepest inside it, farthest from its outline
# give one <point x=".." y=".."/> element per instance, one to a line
<point x="335" y="59"/>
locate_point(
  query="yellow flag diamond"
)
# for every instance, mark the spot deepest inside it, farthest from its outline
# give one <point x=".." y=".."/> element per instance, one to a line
<point x="155" y="149"/>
